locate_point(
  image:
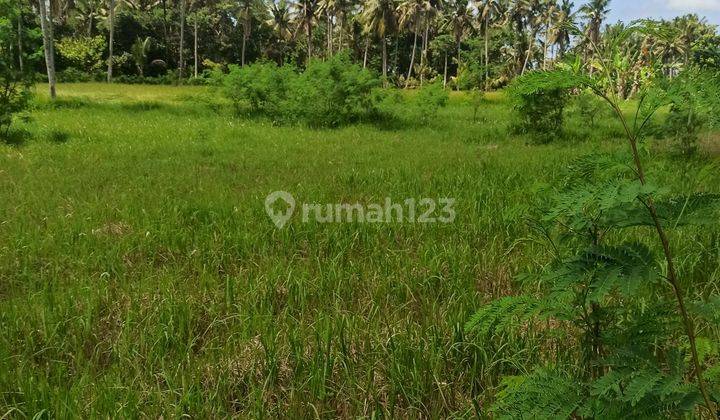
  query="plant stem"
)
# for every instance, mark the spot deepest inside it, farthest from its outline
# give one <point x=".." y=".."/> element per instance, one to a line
<point x="672" y="276"/>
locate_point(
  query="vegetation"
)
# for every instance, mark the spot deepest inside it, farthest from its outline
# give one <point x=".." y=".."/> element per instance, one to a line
<point x="326" y="94"/>
<point x="483" y="44"/>
<point x="14" y="80"/>
<point x="141" y="277"/>
<point x="625" y="321"/>
<point x="297" y="321"/>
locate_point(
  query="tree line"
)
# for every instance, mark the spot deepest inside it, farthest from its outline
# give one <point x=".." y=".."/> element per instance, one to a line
<point x="470" y="44"/>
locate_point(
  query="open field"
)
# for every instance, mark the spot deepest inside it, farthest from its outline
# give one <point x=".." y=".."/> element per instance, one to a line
<point x="140" y="275"/>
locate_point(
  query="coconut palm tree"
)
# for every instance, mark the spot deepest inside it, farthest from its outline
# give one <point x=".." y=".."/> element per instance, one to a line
<point x="432" y="12"/>
<point x="46" y="26"/>
<point x="85" y="14"/>
<point x="280" y="20"/>
<point x="181" y="46"/>
<point x="564" y="21"/>
<point x="410" y="14"/>
<point x="245" y="17"/>
<point x="329" y="9"/>
<point x="343" y="10"/>
<point x="489" y="11"/>
<point x="379" y="20"/>
<point x="459" y="21"/>
<point x="550" y="13"/>
<point x="111" y="38"/>
<point x="595" y="12"/>
<point x="306" y="15"/>
<point x="533" y="11"/>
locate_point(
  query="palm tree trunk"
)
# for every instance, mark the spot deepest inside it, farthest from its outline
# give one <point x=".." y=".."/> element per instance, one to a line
<point x="384" y="52"/>
<point x="308" y="28"/>
<point x="244" y="44"/>
<point x="412" y="59"/>
<point x="365" y="56"/>
<point x="111" y="22"/>
<point x="181" y="63"/>
<point x="445" y="72"/>
<point x="396" y="53"/>
<point x="531" y="43"/>
<point x="342" y="26"/>
<point x="457" y="72"/>
<point x="329" y="35"/>
<point x="48" y="45"/>
<point x="423" y="57"/>
<point x="165" y="26"/>
<point x="545" y="46"/>
<point x="487" y="51"/>
<point x="195" y="46"/>
<point x="21" y="63"/>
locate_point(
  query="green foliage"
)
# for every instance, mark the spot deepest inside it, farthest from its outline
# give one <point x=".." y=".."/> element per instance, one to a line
<point x="694" y="105"/>
<point x="14" y="83"/>
<point x="335" y="92"/>
<point x="477" y="99"/>
<point x="298" y="328"/>
<point x="83" y="52"/>
<point x="607" y="295"/>
<point x="589" y="107"/>
<point x="471" y="76"/>
<point x="73" y="75"/>
<point x="327" y="94"/>
<point x="139" y="51"/>
<point x="539" y="100"/>
<point x="430" y="99"/>
<point x="260" y="88"/>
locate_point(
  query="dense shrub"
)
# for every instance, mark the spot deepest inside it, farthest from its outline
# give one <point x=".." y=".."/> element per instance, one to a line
<point x="695" y="105"/>
<point x="14" y="84"/>
<point x="168" y="79"/>
<point x="14" y="94"/>
<point x="429" y="99"/>
<point x="589" y="107"/>
<point x="326" y="94"/>
<point x="539" y="112"/>
<point x="260" y="88"/>
<point x="335" y="92"/>
<point x="83" y="52"/>
<point x="73" y="75"/>
<point x="683" y="126"/>
<point x="470" y="77"/>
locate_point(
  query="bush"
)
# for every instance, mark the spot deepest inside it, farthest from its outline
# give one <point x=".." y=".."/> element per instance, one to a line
<point x="695" y="105"/>
<point x="168" y="79"/>
<point x="607" y="295"/>
<point x="335" y="92"/>
<point x="683" y="126"/>
<point x="83" y="52"/>
<point x="14" y="84"/>
<point x="73" y="75"/>
<point x="430" y="99"/>
<point x="327" y="94"/>
<point x="476" y="99"/>
<point x="260" y="88"/>
<point x="470" y="77"/>
<point x="539" y="111"/>
<point x="589" y="107"/>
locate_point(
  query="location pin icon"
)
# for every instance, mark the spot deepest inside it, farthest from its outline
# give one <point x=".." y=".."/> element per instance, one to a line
<point x="280" y="218"/>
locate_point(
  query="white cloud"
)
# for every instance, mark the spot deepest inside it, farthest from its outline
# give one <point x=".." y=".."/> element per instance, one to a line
<point x="694" y="5"/>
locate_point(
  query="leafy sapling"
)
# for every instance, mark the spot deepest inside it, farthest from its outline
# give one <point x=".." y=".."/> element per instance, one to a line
<point x="610" y="295"/>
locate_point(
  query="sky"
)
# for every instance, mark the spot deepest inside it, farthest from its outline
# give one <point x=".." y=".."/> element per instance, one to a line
<point x="629" y="10"/>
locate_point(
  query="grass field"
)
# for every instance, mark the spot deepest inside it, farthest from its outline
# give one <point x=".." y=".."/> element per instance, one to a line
<point x="140" y="275"/>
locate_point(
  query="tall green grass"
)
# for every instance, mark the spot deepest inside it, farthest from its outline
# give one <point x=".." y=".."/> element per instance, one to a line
<point x="140" y="275"/>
